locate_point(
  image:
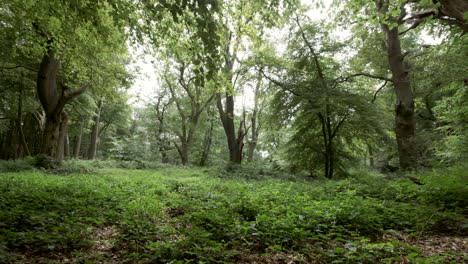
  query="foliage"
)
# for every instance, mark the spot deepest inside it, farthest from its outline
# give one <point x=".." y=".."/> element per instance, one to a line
<point x="188" y="215"/>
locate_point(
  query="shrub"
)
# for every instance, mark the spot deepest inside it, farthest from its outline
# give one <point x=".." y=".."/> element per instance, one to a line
<point x="26" y="164"/>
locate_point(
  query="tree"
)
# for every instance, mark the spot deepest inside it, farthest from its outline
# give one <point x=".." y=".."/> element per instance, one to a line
<point x="73" y="41"/>
<point x="254" y="119"/>
<point x="328" y="116"/>
<point x="244" y="21"/>
<point x="190" y="104"/>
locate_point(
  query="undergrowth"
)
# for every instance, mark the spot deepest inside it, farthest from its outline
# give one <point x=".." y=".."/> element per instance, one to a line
<point x="221" y="216"/>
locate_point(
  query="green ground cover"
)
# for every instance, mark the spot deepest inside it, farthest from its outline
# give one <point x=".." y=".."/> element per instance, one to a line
<point x="215" y="216"/>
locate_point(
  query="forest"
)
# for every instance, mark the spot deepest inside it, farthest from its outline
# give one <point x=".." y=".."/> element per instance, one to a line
<point x="233" y="131"/>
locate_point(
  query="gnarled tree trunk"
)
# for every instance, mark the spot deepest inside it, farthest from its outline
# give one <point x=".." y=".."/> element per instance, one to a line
<point x="52" y="102"/>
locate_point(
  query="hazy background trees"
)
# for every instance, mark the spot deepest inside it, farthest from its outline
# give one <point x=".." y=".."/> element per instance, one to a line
<point x="379" y="84"/>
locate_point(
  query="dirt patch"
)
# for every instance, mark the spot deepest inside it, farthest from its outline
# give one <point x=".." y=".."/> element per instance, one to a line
<point x="274" y="258"/>
<point x="103" y="242"/>
<point x="455" y="248"/>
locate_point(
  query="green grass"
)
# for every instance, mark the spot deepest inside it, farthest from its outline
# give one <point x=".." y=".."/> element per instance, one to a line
<point x="198" y="216"/>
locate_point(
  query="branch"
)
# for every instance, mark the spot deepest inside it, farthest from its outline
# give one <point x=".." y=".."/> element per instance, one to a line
<point x="207" y="103"/>
<point x="315" y="55"/>
<point x="417" y="19"/>
<point x="339" y="124"/>
<point x="280" y="84"/>
<point x="363" y="74"/>
<point x="78" y="92"/>
<point x="16" y="67"/>
<point x="378" y="90"/>
<point x="183" y="83"/>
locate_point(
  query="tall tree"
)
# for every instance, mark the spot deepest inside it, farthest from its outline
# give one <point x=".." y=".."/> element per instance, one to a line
<point x="191" y="100"/>
<point x="72" y="40"/>
<point x="244" y="22"/>
<point x="324" y="113"/>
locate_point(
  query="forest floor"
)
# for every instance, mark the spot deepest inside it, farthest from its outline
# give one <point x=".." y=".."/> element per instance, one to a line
<point x="175" y="215"/>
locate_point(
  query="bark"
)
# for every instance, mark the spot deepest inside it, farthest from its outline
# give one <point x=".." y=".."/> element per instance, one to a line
<point x="50" y="137"/>
<point x="95" y="132"/>
<point x="405" y="125"/>
<point x="52" y="102"/>
<point x="235" y="142"/>
<point x="62" y="136"/>
<point x="183" y="151"/>
<point x="455" y="10"/>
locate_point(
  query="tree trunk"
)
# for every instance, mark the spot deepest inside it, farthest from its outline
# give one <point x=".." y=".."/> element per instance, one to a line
<point x="226" y="113"/>
<point x="62" y="136"/>
<point x="405" y="124"/>
<point x="76" y="151"/>
<point x="52" y="102"/>
<point x="255" y="128"/>
<point x="371" y="155"/>
<point x="235" y="143"/>
<point x="47" y="92"/>
<point x="94" y="135"/>
<point x="50" y="137"/>
<point x="206" y="146"/>
<point x="456" y="10"/>
<point x="67" y="146"/>
<point x="183" y="151"/>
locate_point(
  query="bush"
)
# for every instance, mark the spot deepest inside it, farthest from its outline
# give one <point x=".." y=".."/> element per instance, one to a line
<point x="74" y="166"/>
<point x="26" y="164"/>
<point x="47" y="163"/>
<point x="254" y="172"/>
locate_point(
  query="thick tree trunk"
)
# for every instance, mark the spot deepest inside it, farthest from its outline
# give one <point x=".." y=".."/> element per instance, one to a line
<point x="405" y="125"/>
<point x="50" y="137"/>
<point x="52" y="101"/>
<point x="183" y="151"/>
<point x="94" y="134"/>
<point x="235" y="143"/>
